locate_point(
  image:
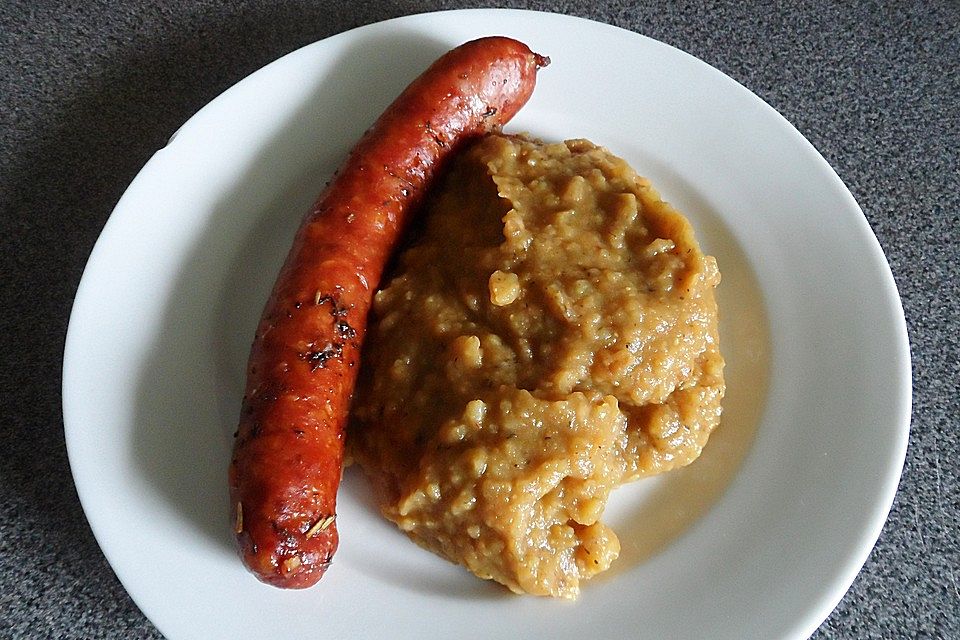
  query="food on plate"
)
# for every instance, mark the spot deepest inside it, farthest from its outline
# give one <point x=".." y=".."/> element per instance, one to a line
<point x="550" y="334"/>
<point x="288" y="450"/>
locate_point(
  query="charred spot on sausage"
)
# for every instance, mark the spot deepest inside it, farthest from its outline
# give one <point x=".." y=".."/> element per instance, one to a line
<point x="435" y="136"/>
<point x="318" y="358"/>
<point x="344" y="330"/>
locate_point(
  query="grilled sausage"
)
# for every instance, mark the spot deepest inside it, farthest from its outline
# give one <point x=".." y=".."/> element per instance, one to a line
<point x="288" y="451"/>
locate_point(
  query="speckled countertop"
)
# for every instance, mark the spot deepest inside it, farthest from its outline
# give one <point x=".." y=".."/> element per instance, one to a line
<point x="89" y="90"/>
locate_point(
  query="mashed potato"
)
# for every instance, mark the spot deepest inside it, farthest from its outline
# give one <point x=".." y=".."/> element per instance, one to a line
<point x="550" y="334"/>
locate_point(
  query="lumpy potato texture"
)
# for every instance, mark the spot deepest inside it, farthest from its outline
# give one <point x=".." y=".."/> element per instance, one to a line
<point x="550" y="334"/>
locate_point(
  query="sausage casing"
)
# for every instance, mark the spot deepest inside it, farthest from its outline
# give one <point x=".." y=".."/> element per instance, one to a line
<point x="288" y="451"/>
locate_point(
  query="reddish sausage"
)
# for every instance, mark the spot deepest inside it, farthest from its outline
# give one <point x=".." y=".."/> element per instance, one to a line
<point x="288" y="452"/>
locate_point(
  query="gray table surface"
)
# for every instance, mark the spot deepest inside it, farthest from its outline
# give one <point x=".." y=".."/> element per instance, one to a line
<point x="89" y="90"/>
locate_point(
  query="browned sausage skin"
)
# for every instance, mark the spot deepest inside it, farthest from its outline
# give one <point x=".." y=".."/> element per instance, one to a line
<point x="288" y="452"/>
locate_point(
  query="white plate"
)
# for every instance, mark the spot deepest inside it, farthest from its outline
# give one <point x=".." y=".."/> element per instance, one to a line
<point x="759" y="539"/>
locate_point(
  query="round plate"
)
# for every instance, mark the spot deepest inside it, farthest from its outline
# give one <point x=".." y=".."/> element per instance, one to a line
<point x="760" y="538"/>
